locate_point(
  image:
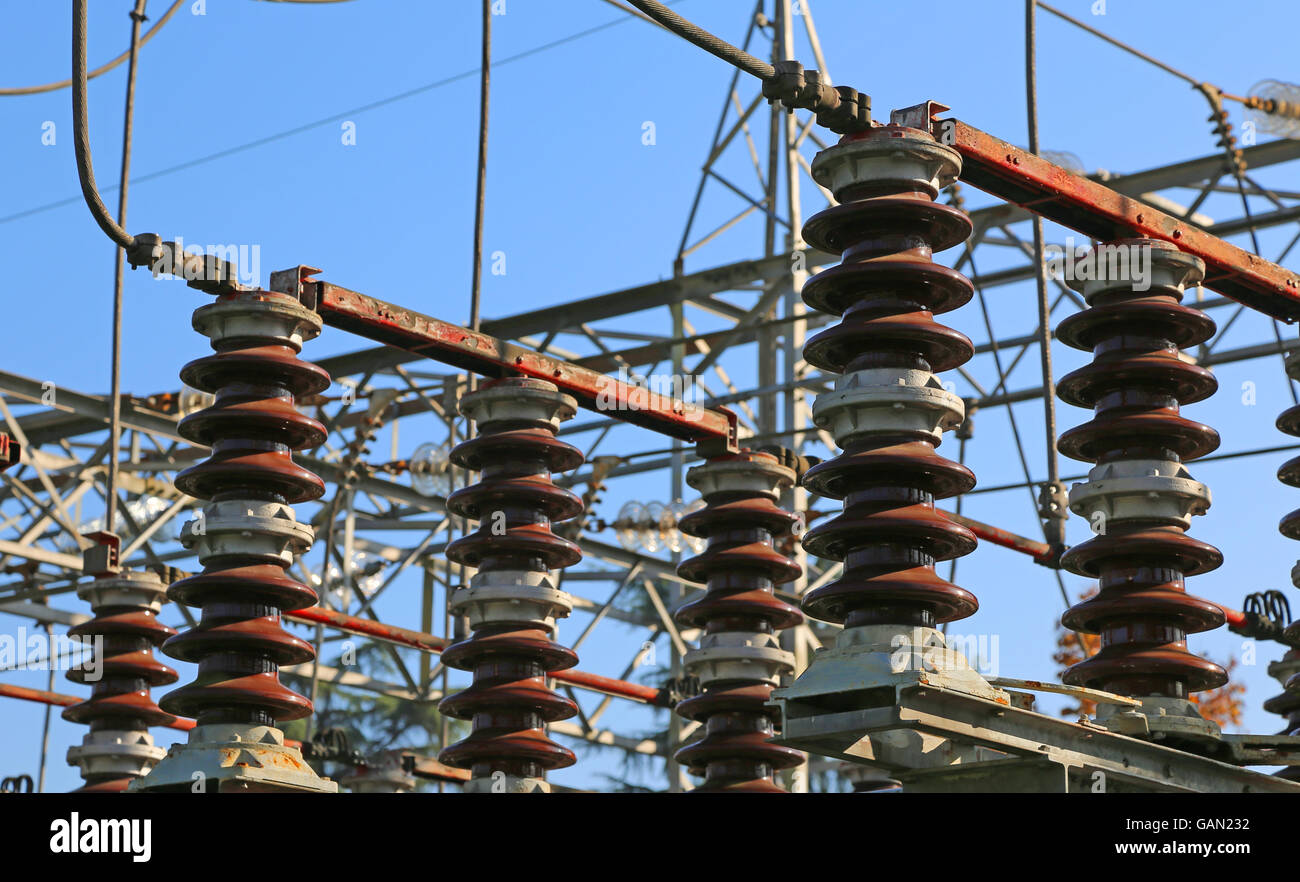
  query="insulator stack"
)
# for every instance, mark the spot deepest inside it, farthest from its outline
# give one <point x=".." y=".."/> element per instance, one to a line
<point x="246" y="537"/>
<point x="122" y="635"/>
<point x="739" y="659"/>
<point x="1287" y="669"/>
<point x="1139" y="497"/>
<point x="1287" y="704"/>
<point x="887" y="413"/>
<point x="1289" y="472"/>
<point x="888" y="410"/>
<point x="1275" y="107"/>
<point x="512" y="601"/>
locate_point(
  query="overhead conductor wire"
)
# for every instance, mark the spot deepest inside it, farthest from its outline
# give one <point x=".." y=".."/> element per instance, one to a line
<point x="119" y="268"/>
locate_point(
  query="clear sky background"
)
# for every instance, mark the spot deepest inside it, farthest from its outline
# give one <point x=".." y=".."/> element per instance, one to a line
<point x="580" y="206"/>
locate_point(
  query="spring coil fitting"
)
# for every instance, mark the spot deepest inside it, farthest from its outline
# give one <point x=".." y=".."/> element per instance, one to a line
<point x="247" y="535"/>
<point x="888" y="410"/>
<point x="739" y="659"/>
<point x="512" y="600"/>
<point x="1139" y="497"/>
<point x="123" y="632"/>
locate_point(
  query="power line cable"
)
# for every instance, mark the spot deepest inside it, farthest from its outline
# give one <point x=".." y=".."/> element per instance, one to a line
<point x="119" y="270"/>
<point x="337" y="117"/>
<point x="102" y="69"/>
<point x="485" y="76"/>
<point x="1050" y="503"/>
<point x="710" y="43"/>
<point x="81" y="133"/>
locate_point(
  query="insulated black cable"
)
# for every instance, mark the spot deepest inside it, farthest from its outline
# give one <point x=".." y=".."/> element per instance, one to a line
<point x="81" y="135"/>
<point x="708" y="42"/>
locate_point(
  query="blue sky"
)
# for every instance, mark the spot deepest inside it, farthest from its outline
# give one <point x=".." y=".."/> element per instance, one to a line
<point x="581" y="206"/>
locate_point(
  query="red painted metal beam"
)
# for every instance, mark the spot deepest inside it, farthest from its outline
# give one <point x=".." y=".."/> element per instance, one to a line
<point x="58" y="699"/>
<point x="38" y="695"/>
<point x="434" y="644"/>
<point x="432" y="770"/>
<point x="1020" y="177"/>
<point x="1235" y="618"/>
<point x="317" y="615"/>
<point x="1041" y="552"/>
<point x="713" y="429"/>
<point x="1100" y="213"/>
<point x="182" y="724"/>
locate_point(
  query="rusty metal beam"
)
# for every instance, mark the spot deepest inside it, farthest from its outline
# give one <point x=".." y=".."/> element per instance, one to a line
<point x="430" y="769"/>
<point x="1027" y="180"/>
<point x="491" y="357"/>
<point x="1041" y="552"/>
<point x="58" y="699"/>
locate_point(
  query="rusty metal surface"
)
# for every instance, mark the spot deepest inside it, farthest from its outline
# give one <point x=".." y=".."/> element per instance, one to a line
<point x="955" y="717"/>
<point x="1020" y="177"/>
<point x="486" y="355"/>
<point x="432" y="770"/>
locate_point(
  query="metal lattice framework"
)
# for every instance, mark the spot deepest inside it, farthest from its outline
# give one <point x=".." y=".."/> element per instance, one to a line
<point x="719" y="323"/>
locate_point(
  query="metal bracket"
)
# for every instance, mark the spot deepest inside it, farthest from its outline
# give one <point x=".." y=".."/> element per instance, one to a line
<point x="101" y="559"/>
<point x="927" y="727"/>
<point x="918" y="116"/>
<point x="10" y="452"/>
<point x="297" y="282"/>
<point x="203" y="272"/>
